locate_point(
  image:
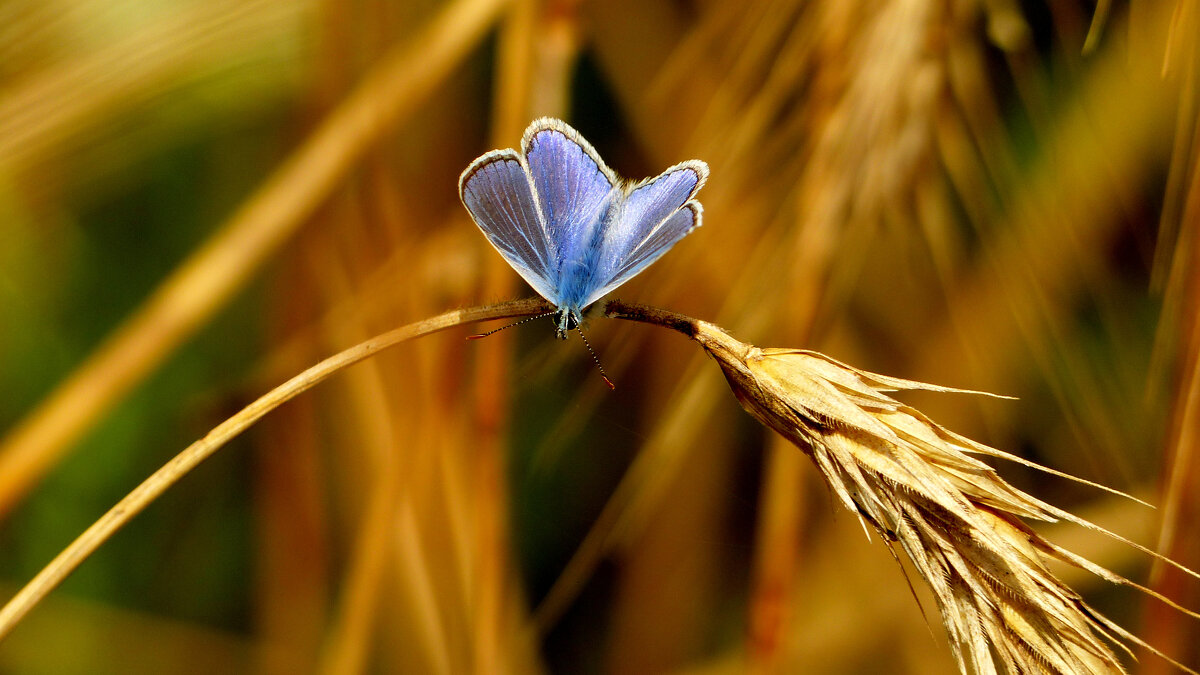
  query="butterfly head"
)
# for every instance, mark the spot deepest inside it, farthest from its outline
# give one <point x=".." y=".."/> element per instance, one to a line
<point x="565" y="320"/>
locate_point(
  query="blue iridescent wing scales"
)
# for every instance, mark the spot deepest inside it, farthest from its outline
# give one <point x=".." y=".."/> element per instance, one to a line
<point x="498" y="193"/>
<point x="566" y="223"/>
<point x="655" y="215"/>
<point x="569" y="178"/>
<point x="574" y="189"/>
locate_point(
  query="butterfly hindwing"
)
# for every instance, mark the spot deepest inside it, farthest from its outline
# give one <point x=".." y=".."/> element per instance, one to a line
<point x="650" y="203"/>
<point x="655" y="215"/>
<point x="497" y="191"/>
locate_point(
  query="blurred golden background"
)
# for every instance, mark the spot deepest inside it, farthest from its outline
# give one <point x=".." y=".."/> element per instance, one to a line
<point x="199" y="199"/>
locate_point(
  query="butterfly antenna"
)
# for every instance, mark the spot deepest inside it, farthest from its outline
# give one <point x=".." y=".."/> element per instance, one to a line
<point x="597" y="360"/>
<point x="527" y="319"/>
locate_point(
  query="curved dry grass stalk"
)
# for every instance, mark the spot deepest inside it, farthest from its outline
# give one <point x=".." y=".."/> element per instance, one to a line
<point x="193" y="455"/>
<point x="912" y="481"/>
<point x="210" y="277"/>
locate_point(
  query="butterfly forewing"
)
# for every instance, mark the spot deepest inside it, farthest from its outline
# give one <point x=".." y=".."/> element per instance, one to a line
<point x="571" y="183"/>
<point x="650" y="203"/>
<point x="496" y="190"/>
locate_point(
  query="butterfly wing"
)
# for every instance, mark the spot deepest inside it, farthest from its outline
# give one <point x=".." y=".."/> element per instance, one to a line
<point x="655" y="215"/>
<point x="573" y="186"/>
<point x="558" y="217"/>
<point x="569" y="178"/>
<point x="497" y="190"/>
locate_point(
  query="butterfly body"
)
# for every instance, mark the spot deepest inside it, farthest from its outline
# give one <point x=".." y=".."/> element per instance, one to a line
<point x="567" y="224"/>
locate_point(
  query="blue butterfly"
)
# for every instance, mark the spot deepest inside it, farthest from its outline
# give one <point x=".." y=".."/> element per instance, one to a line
<point x="568" y="224"/>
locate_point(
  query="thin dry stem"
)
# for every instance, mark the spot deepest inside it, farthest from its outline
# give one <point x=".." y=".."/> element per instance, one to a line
<point x="179" y="466"/>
